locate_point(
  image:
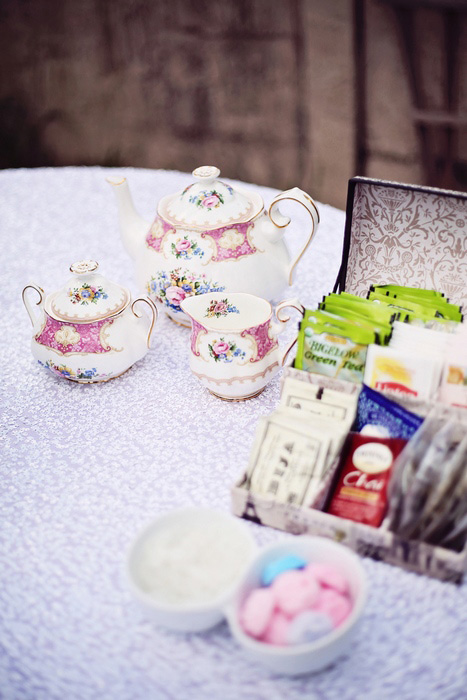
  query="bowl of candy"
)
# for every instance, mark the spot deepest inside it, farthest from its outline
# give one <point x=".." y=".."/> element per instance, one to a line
<point x="299" y="604"/>
<point x="186" y="564"/>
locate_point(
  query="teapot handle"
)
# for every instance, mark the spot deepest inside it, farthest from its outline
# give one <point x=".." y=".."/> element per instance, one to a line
<point x="35" y="320"/>
<point x="291" y="304"/>
<point x="296" y="195"/>
<point x="153" y="308"/>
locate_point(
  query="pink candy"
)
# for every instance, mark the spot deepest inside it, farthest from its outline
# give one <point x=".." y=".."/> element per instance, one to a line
<point x="276" y="632"/>
<point x="335" y="605"/>
<point x="327" y="575"/>
<point x="257" y="611"/>
<point x="295" y="592"/>
<point x="300" y="606"/>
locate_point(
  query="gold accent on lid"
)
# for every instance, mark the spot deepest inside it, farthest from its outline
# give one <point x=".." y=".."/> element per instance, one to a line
<point x="83" y="266"/>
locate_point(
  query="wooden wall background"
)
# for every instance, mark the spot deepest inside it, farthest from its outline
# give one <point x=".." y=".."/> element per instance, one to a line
<point x="265" y="89"/>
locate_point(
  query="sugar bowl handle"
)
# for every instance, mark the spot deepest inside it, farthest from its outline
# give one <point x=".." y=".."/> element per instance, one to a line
<point x="153" y="308"/>
<point x="34" y="316"/>
<point x="285" y="318"/>
<point x="295" y="195"/>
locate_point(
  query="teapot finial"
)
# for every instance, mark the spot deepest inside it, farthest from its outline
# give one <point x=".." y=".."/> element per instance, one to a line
<point x="83" y="266"/>
<point x="206" y="173"/>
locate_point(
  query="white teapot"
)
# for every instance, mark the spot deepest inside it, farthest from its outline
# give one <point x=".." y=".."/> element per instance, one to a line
<point x="89" y="330"/>
<point x="210" y="238"/>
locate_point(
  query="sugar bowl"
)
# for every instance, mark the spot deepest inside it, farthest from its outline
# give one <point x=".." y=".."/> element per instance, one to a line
<point x="89" y="330"/>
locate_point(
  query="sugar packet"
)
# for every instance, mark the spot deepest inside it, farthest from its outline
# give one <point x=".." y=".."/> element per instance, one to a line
<point x="375" y="409"/>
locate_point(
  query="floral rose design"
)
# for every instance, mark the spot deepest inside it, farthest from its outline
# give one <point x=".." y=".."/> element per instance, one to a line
<point x="172" y="287"/>
<point x="221" y="347"/>
<point x="220" y="308"/>
<point x="175" y="295"/>
<point x="222" y="351"/>
<point x="206" y="199"/>
<point x="210" y="202"/>
<point x="86" y="293"/>
<point x="186" y="248"/>
<point x="69" y="373"/>
<point x="182" y="245"/>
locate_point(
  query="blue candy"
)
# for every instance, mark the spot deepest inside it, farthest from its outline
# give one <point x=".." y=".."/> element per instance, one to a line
<point x="278" y="566"/>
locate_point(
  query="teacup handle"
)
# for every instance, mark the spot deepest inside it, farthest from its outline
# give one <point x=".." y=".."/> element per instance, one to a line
<point x="296" y="195"/>
<point x="153" y="308"/>
<point x="288" y="304"/>
<point x="35" y="319"/>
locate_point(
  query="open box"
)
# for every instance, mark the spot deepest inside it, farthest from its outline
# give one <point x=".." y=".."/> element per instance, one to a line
<point x="405" y="235"/>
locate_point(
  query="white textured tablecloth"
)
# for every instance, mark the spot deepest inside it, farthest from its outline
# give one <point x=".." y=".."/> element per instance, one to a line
<point x="84" y="467"/>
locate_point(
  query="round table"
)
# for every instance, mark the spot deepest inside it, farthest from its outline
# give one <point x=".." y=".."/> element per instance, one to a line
<point x="84" y="467"/>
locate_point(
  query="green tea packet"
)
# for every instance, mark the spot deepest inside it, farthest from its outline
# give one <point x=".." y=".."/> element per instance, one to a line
<point x="336" y="349"/>
<point x="434" y="307"/>
<point x="408" y="310"/>
<point x="381" y="313"/>
<point x="399" y="290"/>
<point x="382" y="330"/>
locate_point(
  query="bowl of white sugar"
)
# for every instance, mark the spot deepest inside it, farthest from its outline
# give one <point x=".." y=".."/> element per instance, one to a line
<point x="185" y="566"/>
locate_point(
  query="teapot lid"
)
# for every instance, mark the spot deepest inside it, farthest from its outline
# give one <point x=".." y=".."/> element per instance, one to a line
<point x="87" y="296"/>
<point x="209" y="202"/>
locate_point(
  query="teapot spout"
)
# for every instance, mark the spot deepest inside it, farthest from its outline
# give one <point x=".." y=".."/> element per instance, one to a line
<point x="133" y="227"/>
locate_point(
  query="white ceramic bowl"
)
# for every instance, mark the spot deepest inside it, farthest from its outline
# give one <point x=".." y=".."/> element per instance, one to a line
<point x="314" y="656"/>
<point x="188" y="616"/>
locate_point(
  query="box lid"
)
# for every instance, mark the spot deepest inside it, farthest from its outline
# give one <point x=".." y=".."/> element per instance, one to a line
<point x="406" y="235"/>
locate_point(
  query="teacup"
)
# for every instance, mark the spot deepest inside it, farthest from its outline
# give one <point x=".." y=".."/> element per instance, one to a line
<point x="234" y="346"/>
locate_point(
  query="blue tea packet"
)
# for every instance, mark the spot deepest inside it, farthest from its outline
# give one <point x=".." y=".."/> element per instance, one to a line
<point x="375" y="409"/>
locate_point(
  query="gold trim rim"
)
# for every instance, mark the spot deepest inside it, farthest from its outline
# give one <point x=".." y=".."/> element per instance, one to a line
<point x="238" y="400"/>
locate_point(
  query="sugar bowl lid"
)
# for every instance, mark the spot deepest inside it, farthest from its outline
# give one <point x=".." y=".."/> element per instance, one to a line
<point x="209" y="203"/>
<point x="87" y="296"/>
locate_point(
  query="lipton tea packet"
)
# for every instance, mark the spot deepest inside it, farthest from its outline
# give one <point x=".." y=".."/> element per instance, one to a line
<point x="332" y="350"/>
<point x="400" y="372"/>
<point x="360" y="491"/>
<point x="375" y="409"/>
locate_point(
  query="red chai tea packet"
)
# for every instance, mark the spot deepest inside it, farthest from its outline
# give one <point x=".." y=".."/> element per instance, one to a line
<point x="366" y="463"/>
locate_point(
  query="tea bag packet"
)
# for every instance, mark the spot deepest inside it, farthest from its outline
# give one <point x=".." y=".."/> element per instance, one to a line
<point x="334" y="405"/>
<point x="419" y="306"/>
<point x="382" y="330"/>
<point x="394" y="289"/>
<point x="407" y="310"/>
<point x="380" y="313"/>
<point x="335" y="431"/>
<point x="426" y="478"/>
<point x="377" y="410"/>
<point x="401" y="372"/>
<point x="336" y="349"/>
<point x="438" y="504"/>
<point x="453" y="385"/>
<point x="360" y="491"/>
<point x="428" y="298"/>
<point x="287" y="461"/>
<point x="404" y="470"/>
